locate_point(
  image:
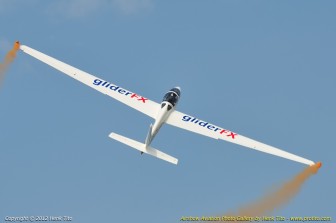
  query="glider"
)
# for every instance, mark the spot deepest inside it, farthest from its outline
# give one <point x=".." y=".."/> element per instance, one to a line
<point x="163" y="113"/>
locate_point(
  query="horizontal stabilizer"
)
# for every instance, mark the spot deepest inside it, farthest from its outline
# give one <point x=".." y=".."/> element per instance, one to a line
<point x="142" y="148"/>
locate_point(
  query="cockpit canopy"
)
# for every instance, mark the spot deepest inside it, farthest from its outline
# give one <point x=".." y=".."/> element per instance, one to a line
<point x="177" y="90"/>
<point x="172" y="96"/>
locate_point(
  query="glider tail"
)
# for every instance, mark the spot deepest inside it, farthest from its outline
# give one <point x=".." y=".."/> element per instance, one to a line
<point x="143" y="148"/>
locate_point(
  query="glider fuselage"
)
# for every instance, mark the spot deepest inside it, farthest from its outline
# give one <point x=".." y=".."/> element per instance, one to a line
<point x="168" y="105"/>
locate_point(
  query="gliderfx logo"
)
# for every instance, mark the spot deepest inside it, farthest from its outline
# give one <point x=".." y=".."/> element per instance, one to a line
<point x="214" y="128"/>
<point x="118" y="89"/>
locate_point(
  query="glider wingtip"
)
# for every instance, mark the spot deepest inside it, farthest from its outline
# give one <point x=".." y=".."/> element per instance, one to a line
<point x="17" y="45"/>
<point x="318" y="164"/>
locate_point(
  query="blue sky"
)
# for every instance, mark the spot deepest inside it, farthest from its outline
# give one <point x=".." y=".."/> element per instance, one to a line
<point x="264" y="69"/>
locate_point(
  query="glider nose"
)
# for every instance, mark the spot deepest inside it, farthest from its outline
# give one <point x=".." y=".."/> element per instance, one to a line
<point x="178" y="88"/>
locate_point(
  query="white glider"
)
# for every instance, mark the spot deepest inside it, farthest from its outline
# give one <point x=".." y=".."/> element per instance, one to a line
<point x="161" y="113"/>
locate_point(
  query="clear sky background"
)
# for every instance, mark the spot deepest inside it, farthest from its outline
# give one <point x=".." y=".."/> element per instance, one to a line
<point x="264" y="69"/>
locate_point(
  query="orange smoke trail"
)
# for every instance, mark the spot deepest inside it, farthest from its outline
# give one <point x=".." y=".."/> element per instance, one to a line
<point x="280" y="197"/>
<point x="8" y="60"/>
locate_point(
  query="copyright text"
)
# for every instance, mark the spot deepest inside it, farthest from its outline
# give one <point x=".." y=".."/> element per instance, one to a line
<point x="37" y="218"/>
